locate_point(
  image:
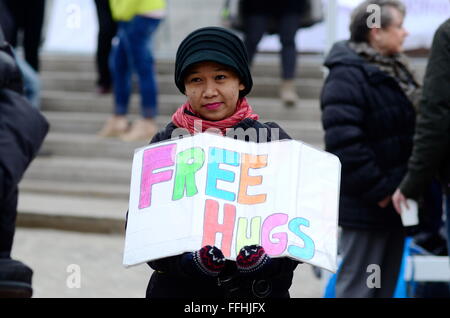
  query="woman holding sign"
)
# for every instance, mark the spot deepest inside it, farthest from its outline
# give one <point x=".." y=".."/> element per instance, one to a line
<point x="368" y="115"/>
<point x="212" y="70"/>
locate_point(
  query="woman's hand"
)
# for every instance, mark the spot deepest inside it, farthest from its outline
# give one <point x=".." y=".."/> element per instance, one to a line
<point x="251" y="259"/>
<point x="208" y="260"/>
<point x="398" y="199"/>
<point x="385" y="202"/>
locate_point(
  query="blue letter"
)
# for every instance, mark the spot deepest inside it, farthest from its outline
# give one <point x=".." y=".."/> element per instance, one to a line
<point x="306" y="252"/>
<point x="216" y="157"/>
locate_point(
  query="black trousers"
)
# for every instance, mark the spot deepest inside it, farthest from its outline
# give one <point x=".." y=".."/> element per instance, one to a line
<point x="107" y="31"/>
<point x="8" y="214"/>
<point x="257" y="25"/>
<point x="27" y="17"/>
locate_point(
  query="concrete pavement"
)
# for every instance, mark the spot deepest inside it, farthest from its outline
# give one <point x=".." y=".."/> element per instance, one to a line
<point x="57" y="257"/>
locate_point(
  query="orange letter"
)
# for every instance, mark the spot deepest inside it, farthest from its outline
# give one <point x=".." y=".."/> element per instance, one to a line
<point x="254" y="162"/>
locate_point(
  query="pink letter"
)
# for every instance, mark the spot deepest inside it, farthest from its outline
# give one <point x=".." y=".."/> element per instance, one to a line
<point x="269" y="224"/>
<point x="155" y="158"/>
<point x="211" y="225"/>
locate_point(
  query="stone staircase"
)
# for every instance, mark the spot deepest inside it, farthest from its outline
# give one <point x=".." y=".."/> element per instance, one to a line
<point x="84" y="184"/>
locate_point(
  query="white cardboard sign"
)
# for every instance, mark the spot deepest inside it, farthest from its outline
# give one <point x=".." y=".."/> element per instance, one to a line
<point x="214" y="190"/>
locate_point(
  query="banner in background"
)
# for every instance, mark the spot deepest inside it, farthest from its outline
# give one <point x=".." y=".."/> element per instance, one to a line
<point x="423" y="17"/>
<point x="72" y="26"/>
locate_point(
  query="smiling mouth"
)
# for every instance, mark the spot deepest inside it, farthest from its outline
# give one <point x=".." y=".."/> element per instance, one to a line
<point x="212" y="106"/>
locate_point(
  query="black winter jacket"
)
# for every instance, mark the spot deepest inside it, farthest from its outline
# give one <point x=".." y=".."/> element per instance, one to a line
<point x="431" y="153"/>
<point x="369" y="124"/>
<point x="22" y="131"/>
<point x="169" y="280"/>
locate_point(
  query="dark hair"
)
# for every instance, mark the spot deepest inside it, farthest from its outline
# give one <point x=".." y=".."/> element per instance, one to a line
<point x="359" y="29"/>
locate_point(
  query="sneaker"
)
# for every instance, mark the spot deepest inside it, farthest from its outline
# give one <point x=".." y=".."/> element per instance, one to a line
<point x="114" y="127"/>
<point x="141" y="130"/>
<point x="15" y="279"/>
<point x="287" y="93"/>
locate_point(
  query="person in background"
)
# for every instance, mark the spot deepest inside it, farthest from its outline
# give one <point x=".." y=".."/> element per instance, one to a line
<point x="431" y="152"/>
<point x="257" y="16"/>
<point x="211" y="70"/>
<point x="31" y="78"/>
<point x="27" y="22"/>
<point x="22" y="131"/>
<point x="368" y="113"/>
<point x="106" y="32"/>
<point x="137" y="22"/>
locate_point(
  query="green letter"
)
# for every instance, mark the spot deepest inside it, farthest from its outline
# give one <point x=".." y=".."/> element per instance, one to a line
<point x="242" y="239"/>
<point x="188" y="163"/>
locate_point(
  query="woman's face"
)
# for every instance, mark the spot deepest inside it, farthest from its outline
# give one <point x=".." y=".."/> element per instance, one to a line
<point x="389" y="40"/>
<point x="212" y="90"/>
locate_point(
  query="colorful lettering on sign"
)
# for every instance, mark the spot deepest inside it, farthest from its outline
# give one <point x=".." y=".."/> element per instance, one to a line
<point x="246" y="231"/>
<point x="153" y="159"/>
<point x="269" y="224"/>
<point x="242" y="239"/>
<point x="188" y="163"/>
<point x="211" y="225"/>
<point x="251" y="162"/>
<point x="216" y="157"/>
<point x="307" y="251"/>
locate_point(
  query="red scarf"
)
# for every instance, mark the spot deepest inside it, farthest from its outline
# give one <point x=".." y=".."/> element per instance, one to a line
<point x="187" y="121"/>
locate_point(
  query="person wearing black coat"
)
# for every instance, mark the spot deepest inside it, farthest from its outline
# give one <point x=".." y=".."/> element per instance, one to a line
<point x="211" y="69"/>
<point x="431" y="152"/>
<point x="368" y="115"/>
<point x="22" y="131"/>
<point x="172" y="279"/>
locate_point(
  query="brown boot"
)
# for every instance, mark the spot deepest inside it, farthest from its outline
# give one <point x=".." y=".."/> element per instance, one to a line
<point x="141" y="130"/>
<point x="114" y="127"/>
<point x="287" y="93"/>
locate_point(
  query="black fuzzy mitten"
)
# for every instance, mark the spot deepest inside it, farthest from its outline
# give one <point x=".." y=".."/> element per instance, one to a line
<point x="252" y="259"/>
<point x="209" y="260"/>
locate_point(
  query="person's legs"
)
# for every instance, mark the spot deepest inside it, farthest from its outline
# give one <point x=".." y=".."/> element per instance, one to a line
<point x="391" y="263"/>
<point x="15" y="276"/>
<point x="255" y="26"/>
<point x="360" y="249"/>
<point x="288" y="29"/>
<point x="139" y="36"/>
<point x="139" y="39"/>
<point x="121" y="73"/>
<point x="34" y="19"/>
<point x="447" y="218"/>
<point x="121" y="70"/>
<point x="15" y="12"/>
<point x="8" y="214"/>
<point x="107" y="31"/>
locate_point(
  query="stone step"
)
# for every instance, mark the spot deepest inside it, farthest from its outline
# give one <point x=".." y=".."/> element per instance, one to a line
<point x="81" y="189"/>
<point x="262" y="86"/>
<point x="68" y="101"/>
<point x="309" y="66"/>
<point x="104" y="171"/>
<point x="90" y="146"/>
<point x="91" y="123"/>
<point x="84" y="214"/>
